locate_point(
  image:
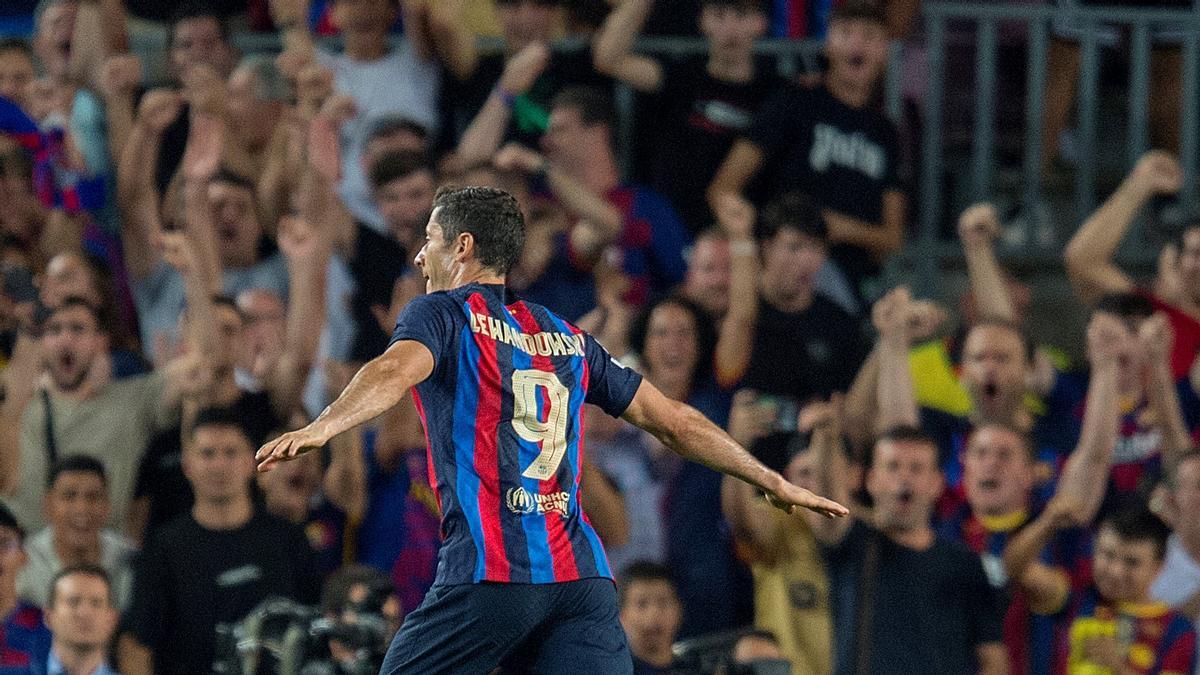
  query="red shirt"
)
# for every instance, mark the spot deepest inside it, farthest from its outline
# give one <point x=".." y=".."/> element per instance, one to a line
<point x="1187" y="334"/>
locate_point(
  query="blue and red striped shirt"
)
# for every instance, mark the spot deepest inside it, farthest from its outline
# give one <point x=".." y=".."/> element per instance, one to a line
<point x="503" y="417"/>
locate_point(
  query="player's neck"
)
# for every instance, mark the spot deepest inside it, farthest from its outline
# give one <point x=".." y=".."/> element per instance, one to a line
<point x="475" y="274"/>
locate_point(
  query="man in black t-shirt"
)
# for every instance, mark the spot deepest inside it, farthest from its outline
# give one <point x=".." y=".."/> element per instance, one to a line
<point x="780" y="336"/>
<point x="903" y="600"/>
<point x="214" y="564"/>
<point x="830" y="143"/>
<point x="702" y="104"/>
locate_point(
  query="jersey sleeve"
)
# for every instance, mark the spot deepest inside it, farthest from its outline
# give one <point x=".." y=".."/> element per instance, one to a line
<point x="430" y="320"/>
<point x="611" y="386"/>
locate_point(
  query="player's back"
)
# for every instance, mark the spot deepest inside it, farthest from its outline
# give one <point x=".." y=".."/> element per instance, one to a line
<point x="503" y="415"/>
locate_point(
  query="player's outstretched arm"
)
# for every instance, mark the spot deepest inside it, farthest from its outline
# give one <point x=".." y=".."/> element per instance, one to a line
<point x="376" y="388"/>
<point x="684" y="430"/>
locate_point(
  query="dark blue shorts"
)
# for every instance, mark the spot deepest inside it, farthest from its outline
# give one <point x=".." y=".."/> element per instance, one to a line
<point x="523" y="628"/>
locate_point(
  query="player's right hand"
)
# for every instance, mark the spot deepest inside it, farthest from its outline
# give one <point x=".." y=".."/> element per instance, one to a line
<point x="787" y="497"/>
<point x="288" y="447"/>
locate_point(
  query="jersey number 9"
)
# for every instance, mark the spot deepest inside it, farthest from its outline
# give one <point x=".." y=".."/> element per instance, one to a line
<point x="552" y="432"/>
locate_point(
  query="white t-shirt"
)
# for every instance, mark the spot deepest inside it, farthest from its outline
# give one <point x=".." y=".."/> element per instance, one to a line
<point x="400" y="83"/>
<point x="1179" y="579"/>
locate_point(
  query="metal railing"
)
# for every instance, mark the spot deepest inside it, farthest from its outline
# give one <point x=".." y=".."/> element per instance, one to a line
<point x="1036" y="20"/>
<point x="928" y="251"/>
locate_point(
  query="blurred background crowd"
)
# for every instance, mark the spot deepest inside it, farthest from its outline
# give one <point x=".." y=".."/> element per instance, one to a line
<point x="939" y="261"/>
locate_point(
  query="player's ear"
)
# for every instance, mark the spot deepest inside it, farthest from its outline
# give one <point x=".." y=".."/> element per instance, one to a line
<point x="464" y="246"/>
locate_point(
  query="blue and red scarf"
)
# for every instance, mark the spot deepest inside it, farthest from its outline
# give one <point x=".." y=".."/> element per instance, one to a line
<point x="56" y="183"/>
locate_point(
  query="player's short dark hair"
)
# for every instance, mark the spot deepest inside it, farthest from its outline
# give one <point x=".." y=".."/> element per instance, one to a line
<point x="73" y="301"/>
<point x="491" y="216"/>
<point x="76" y="464"/>
<point x="859" y="10"/>
<point x="7" y="519"/>
<point x="759" y="6"/>
<point x="83" y="569"/>
<point x="793" y="211"/>
<point x="906" y="434"/>
<point x="706" y="333"/>
<point x="1128" y="306"/>
<point x="643" y="571"/>
<point x="1134" y="522"/>
<point x="594" y="106"/>
<point x="390" y="125"/>
<point x="196" y="9"/>
<point x="16" y="44"/>
<point x="226" y="417"/>
<point x="397" y="165"/>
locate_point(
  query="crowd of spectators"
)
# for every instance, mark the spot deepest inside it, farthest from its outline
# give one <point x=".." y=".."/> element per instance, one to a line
<point x="199" y="247"/>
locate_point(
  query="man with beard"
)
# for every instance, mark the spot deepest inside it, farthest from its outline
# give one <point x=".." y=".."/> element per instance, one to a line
<point x="904" y="600"/>
<point x="995" y="362"/>
<point x="79" y="409"/>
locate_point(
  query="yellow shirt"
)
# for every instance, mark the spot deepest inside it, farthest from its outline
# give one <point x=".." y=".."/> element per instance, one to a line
<point x="791" y="596"/>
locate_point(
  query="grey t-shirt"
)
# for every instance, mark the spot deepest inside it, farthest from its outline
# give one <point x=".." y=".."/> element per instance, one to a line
<point x="116" y="557"/>
<point x="161" y="297"/>
<point x="114" y="426"/>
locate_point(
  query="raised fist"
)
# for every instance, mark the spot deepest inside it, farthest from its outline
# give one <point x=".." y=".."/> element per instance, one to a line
<point x="978" y="225"/>
<point x="159" y="109"/>
<point x="516" y="157"/>
<point x="1107" y="338"/>
<point x="1158" y="172"/>
<point x="120" y="75"/>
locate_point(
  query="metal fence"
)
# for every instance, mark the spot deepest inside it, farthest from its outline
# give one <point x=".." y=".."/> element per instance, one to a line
<point x="939" y="168"/>
<point x="1036" y="23"/>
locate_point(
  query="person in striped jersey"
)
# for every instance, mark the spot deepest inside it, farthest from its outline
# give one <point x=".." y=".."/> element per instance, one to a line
<point x="500" y="384"/>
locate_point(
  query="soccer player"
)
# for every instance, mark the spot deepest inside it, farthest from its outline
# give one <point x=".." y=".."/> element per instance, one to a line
<point x="500" y="384"/>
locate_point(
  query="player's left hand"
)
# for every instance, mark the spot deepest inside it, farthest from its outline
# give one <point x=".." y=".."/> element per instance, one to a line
<point x="288" y="447"/>
<point x="787" y="496"/>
